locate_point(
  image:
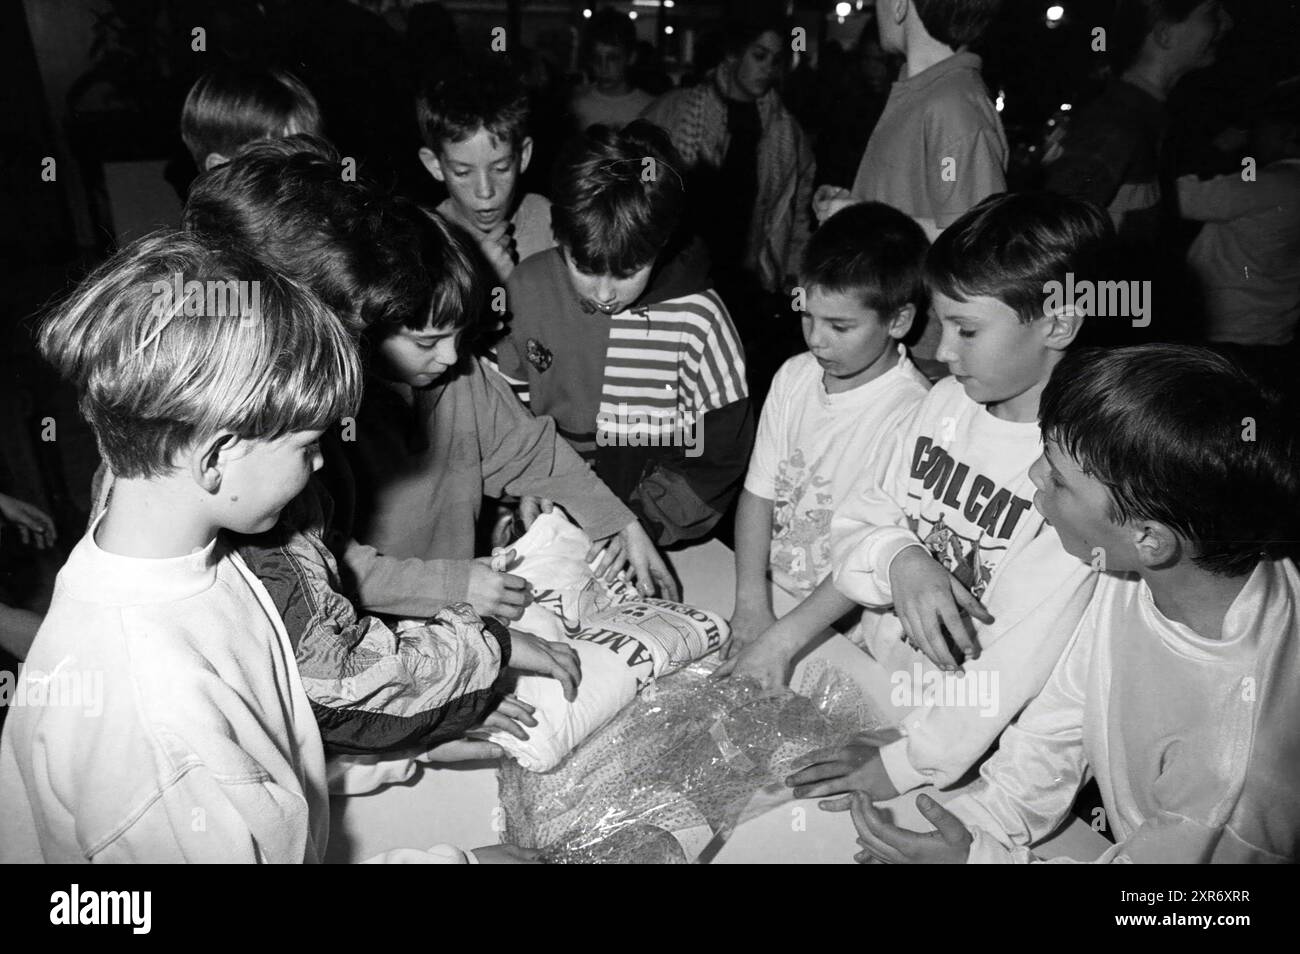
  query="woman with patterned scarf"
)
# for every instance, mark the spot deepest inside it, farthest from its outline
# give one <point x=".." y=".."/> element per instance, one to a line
<point x="750" y="165"/>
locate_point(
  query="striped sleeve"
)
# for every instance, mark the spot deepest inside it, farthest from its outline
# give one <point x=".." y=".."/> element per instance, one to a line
<point x="720" y="374"/>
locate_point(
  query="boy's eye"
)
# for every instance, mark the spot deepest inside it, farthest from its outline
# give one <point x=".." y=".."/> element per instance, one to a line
<point x="965" y="333"/>
<point x="839" y="329"/>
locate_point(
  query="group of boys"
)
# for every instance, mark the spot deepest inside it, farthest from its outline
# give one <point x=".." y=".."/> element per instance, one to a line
<point x="1105" y="532"/>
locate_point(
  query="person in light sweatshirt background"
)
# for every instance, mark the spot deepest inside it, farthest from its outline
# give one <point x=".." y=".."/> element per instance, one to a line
<point x="969" y="595"/>
<point x="195" y="740"/>
<point x="1178" y="691"/>
<point x="939" y="147"/>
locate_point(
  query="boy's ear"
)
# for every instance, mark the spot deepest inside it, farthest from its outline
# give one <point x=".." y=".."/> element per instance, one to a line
<point x="207" y="461"/>
<point x="429" y="159"/>
<point x="1156" y="545"/>
<point x="213" y="160"/>
<point x="1062" y="326"/>
<point x="525" y="154"/>
<point x="901" y="322"/>
<point x="900" y="10"/>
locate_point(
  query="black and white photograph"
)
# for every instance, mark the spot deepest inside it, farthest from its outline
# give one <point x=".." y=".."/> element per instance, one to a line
<point x="748" y="432"/>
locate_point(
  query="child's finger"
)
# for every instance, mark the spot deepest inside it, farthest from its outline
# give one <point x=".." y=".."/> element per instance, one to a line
<point x="841" y="803"/>
<point x="726" y="669"/>
<point x="511" y="582"/>
<point x="529" y="707"/>
<point x="502" y="723"/>
<point x="834" y="786"/>
<point x="933" y="645"/>
<point x="971" y="604"/>
<point x="945" y="822"/>
<point x="957" y="630"/>
<point x="666" y="585"/>
<point x="830" y="753"/>
<point x="513" y="710"/>
<point x="819" y="773"/>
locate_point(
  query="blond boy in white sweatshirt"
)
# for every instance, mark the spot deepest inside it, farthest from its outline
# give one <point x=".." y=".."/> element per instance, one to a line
<point x="164" y="717"/>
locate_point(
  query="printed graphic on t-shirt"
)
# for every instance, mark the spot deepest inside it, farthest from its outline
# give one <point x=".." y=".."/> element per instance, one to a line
<point x="964" y="518"/>
<point x="801" y="522"/>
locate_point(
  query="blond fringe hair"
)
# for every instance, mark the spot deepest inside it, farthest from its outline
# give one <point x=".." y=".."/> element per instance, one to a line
<point x="157" y="373"/>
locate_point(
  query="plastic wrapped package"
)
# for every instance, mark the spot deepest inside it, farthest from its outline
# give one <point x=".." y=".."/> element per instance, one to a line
<point x="624" y="641"/>
<point x="671" y="776"/>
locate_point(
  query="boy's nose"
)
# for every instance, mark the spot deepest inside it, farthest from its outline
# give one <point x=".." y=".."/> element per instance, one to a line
<point x="485" y="189"/>
<point x="317" y="461"/>
<point x="1038" y="472"/>
<point x="946" y="352"/>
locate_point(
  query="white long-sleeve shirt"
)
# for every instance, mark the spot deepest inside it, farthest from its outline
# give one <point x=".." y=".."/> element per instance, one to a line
<point x="956" y="481"/>
<point x="161" y="718"/>
<point x="1195" y="742"/>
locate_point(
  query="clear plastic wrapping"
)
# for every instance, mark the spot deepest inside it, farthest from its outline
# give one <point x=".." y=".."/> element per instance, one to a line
<point x="669" y="778"/>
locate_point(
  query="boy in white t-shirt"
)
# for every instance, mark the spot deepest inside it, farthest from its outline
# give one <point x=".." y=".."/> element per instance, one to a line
<point x="941" y="543"/>
<point x="862" y="284"/>
<point x="1178" y="691"/>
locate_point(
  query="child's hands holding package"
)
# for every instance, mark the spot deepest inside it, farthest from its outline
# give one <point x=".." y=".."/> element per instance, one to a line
<point x="929" y="601"/>
<point x="493" y="592"/>
<point x="537" y="656"/>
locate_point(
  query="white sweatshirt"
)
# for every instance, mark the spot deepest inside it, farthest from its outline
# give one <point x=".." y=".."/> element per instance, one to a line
<point x="163" y="720"/>
<point x="956" y="481"/>
<point x="1195" y="742"/>
<point x="809" y="453"/>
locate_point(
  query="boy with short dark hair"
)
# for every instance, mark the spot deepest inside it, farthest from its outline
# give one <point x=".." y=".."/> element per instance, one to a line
<point x="1178" y="689"/>
<point x="618" y="337"/>
<point x="941" y="543"/>
<point x="830" y="406"/>
<point x="474" y="124"/>
<point x="228" y="108"/>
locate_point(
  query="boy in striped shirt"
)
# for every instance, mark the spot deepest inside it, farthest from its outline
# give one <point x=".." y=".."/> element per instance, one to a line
<point x="617" y="336"/>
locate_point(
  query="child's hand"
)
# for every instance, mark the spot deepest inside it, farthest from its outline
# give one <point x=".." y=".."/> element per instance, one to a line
<point x="881" y="841"/>
<point x="35" y="526"/>
<point x="766" y="660"/>
<point x="852" y="767"/>
<point x="506" y="855"/>
<point x="493" y="593"/>
<point x="462" y="750"/>
<point x="498" y="246"/>
<point x="531" y="654"/>
<point x="828" y="200"/>
<point x="928" y="599"/>
<point x="507" y="717"/>
<point x="632" y="551"/>
<point x="530" y="508"/>
<point x="750" y="621"/>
